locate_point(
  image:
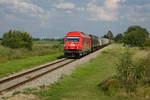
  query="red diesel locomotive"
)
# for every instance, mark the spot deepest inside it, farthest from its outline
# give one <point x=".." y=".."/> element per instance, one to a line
<point x="77" y="44"/>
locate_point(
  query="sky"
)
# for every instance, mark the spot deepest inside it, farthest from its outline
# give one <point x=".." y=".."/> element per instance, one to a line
<point x="54" y="18"/>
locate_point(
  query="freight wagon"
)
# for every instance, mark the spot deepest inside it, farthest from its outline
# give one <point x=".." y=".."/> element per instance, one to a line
<point x="95" y="43"/>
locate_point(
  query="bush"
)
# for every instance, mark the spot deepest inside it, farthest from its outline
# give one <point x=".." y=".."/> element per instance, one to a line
<point x="17" y="39"/>
<point x="110" y="85"/>
<point x="146" y="63"/>
<point x="129" y="75"/>
<point x="125" y="72"/>
<point x="119" y="38"/>
<point x="147" y="43"/>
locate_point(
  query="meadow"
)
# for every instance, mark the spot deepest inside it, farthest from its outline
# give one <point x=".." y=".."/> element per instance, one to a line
<point x="14" y="60"/>
<point x="83" y="83"/>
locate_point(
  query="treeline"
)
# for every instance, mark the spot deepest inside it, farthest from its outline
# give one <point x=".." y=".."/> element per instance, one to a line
<point x="134" y="36"/>
<point x="48" y="39"/>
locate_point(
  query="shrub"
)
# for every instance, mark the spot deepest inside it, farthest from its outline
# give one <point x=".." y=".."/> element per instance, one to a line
<point x="147" y="43"/>
<point x="146" y="63"/>
<point x="129" y="74"/>
<point x="125" y="71"/>
<point x="110" y="85"/>
<point x="17" y="39"/>
<point x="119" y="38"/>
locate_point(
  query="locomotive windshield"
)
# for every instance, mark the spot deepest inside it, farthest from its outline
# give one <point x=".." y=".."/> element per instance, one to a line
<point x="73" y="39"/>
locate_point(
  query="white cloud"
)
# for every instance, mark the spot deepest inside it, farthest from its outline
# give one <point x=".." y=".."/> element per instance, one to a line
<point x="69" y="12"/>
<point x="106" y="12"/>
<point x="22" y="7"/>
<point x="146" y="6"/>
<point x="99" y="13"/>
<point x="111" y="4"/>
<point x="133" y="16"/>
<point x="137" y="18"/>
<point x="66" y="5"/>
<point x="45" y="25"/>
<point x="80" y="9"/>
<point x="21" y="11"/>
<point x="136" y="13"/>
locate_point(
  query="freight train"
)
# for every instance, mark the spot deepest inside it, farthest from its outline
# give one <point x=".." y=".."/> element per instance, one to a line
<point x="78" y="44"/>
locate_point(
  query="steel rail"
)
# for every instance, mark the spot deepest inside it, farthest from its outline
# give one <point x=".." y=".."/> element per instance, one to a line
<point x="30" y="71"/>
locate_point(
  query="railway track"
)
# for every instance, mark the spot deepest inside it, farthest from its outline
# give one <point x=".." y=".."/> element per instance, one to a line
<point x="15" y="81"/>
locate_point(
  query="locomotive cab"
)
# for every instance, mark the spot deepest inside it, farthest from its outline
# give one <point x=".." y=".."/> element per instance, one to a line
<point x="72" y="42"/>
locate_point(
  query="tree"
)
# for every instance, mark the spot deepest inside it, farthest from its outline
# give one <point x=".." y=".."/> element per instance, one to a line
<point x="27" y="40"/>
<point x="17" y="39"/>
<point x="119" y="38"/>
<point x="135" y="36"/>
<point x="36" y="39"/>
<point x="105" y="36"/>
<point x="136" y="27"/>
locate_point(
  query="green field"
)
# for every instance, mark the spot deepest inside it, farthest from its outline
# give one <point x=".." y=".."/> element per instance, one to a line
<point x="14" y="60"/>
<point x="82" y="84"/>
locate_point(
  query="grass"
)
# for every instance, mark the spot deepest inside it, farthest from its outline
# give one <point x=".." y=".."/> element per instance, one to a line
<point x="82" y="84"/>
<point x="15" y="60"/>
<point x="40" y="48"/>
<point x="11" y="67"/>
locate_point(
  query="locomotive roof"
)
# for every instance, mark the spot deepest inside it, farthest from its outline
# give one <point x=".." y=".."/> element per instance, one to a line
<point x="82" y="33"/>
